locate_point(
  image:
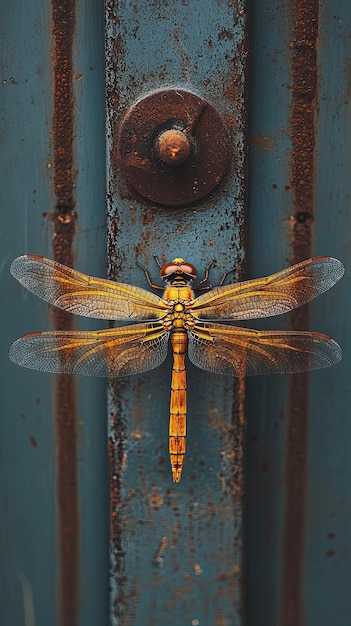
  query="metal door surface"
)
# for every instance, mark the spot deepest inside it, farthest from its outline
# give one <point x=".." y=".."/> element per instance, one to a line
<point x="92" y="529"/>
<point x="175" y="548"/>
<point x="54" y="480"/>
<point x="298" y="460"/>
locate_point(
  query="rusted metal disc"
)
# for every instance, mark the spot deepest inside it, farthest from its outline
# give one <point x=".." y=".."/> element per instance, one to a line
<point x="179" y="181"/>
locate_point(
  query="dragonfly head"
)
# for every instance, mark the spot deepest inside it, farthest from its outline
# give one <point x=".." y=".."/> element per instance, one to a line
<point x="178" y="268"/>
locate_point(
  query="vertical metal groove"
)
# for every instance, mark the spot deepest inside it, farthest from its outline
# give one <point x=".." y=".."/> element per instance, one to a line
<point x="64" y="21"/>
<point x="302" y="129"/>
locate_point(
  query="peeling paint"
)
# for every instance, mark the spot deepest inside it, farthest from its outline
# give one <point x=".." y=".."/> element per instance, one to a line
<point x="202" y="519"/>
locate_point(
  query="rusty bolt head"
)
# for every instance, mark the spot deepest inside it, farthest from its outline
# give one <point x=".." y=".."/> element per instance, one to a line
<point x="173" y="147"/>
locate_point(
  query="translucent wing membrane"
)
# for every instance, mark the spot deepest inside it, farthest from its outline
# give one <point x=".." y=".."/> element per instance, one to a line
<point x="236" y="351"/>
<point x="215" y="347"/>
<point x="114" y="352"/>
<point x="84" y="295"/>
<point x="273" y="295"/>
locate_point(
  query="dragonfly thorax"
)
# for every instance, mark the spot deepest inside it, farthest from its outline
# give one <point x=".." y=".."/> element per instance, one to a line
<point x="176" y="294"/>
<point x="179" y="300"/>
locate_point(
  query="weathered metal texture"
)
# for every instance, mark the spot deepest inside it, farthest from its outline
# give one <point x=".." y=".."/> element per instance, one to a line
<point x="52" y="442"/>
<point x="27" y="513"/>
<point x="304" y="91"/>
<point x="64" y="218"/>
<point x="209" y="147"/>
<point x="176" y="549"/>
<point x="297" y="461"/>
<point x="90" y="257"/>
<point x="327" y="572"/>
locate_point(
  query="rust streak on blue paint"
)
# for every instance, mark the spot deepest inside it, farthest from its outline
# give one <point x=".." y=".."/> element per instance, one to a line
<point x="64" y="217"/>
<point x="302" y="129"/>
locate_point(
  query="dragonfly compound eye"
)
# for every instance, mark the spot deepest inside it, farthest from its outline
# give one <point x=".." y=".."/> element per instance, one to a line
<point x="189" y="270"/>
<point x="178" y="268"/>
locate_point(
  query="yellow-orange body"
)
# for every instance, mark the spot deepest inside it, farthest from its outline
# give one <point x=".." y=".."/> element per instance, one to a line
<point x="178" y="297"/>
<point x="189" y="323"/>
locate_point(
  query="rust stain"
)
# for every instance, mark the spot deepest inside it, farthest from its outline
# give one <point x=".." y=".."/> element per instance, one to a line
<point x="302" y="129"/>
<point x="239" y="428"/>
<point x="262" y="141"/>
<point x="158" y="559"/>
<point x="155" y="501"/>
<point x="116" y="452"/>
<point x="234" y="573"/>
<point x="117" y="438"/>
<point x="122" y="601"/>
<point x="64" y="218"/>
<point x="330" y="553"/>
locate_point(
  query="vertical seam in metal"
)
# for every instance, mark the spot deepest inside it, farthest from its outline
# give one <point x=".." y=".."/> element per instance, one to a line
<point x="64" y="217"/>
<point x="302" y="130"/>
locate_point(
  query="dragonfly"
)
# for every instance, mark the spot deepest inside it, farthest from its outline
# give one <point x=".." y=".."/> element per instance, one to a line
<point x="188" y="323"/>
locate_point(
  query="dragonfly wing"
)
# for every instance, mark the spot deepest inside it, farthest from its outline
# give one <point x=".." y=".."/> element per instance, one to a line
<point x="113" y="352"/>
<point x="272" y="295"/>
<point x="225" y="349"/>
<point x="78" y="293"/>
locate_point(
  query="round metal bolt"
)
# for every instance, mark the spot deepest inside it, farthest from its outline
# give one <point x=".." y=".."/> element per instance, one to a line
<point x="189" y="174"/>
<point x="173" y="147"/>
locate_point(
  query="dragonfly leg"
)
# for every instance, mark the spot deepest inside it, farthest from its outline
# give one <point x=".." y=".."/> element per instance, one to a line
<point x="148" y="278"/>
<point x="225" y="276"/>
<point x="201" y="282"/>
<point x="157" y="260"/>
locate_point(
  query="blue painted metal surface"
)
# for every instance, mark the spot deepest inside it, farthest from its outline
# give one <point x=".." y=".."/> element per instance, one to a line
<point x="176" y="549"/>
<point x="197" y="517"/>
<point x="28" y="542"/>
<point x="270" y="207"/>
<point x="31" y="562"/>
<point x="325" y="554"/>
<point x="327" y="574"/>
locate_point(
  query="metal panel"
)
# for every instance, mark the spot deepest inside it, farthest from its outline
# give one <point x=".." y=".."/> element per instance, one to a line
<point x="201" y="518"/>
<point x="90" y="256"/>
<point x="176" y="549"/>
<point x="327" y="572"/>
<point x="297" y="460"/>
<point x="47" y="570"/>
<point x="28" y="542"/>
<point x="270" y="206"/>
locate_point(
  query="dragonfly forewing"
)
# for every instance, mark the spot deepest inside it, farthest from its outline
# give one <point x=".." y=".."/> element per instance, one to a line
<point x="85" y="295"/>
<point x="273" y="295"/>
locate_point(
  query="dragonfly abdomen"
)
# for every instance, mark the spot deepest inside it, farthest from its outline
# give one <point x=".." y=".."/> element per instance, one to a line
<point x="177" y="421"/>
